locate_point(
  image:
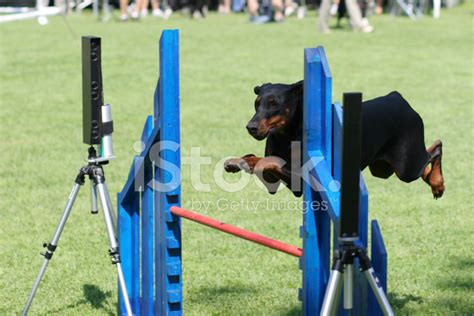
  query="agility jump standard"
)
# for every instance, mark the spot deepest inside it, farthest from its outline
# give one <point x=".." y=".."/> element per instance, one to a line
<point x="150" y="220"/>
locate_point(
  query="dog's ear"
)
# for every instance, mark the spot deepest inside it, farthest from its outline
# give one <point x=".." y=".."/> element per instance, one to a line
<point x="297" y="88"/>
<point x="258" y="89"/>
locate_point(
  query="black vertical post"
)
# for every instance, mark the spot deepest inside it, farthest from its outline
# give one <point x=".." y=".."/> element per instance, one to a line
<point x="92" y="95"/>
<point x="351" y="156"/>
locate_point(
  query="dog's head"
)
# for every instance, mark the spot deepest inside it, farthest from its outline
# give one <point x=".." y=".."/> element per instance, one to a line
<point x="275" y="107"/>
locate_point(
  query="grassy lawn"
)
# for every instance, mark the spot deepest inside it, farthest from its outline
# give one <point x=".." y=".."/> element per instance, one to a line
<point x="429" y="242"/>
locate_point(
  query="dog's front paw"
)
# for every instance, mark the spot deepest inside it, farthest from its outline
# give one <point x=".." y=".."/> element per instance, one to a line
<point x="232" y="165"/>
<point x="236" y="164"/>
<point x="438" y="190"/>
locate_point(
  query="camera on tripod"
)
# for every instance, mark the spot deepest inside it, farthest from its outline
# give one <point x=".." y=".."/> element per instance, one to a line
<point x="97" y="116"/>
<point x="97" y="130"/>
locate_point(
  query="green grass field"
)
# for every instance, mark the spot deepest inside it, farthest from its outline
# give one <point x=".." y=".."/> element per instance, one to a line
<point x="429" y="242"/>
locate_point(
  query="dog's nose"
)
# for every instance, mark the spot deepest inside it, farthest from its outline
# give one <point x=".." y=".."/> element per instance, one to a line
<point x="252" y="128"/>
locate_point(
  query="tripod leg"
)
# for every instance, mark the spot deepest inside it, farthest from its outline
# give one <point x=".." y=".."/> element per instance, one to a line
<point x="378" y="292"/>
<point x="333" y="289"/>
<point x="112" y="214"/>
<point x="94" y="207"/>
<point x="348" y="286"/>
<point x="366" y="268"/>
<point x="332" y="295"/>
<point x="51" y="247"/>
<point x="114" y="250"/>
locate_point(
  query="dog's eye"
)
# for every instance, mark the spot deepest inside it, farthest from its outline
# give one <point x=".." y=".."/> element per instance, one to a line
<point x="272" y="103"/>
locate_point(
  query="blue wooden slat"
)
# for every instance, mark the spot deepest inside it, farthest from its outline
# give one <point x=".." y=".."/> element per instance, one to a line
<point x="136" y="261"/>
<point x="312" y="281"/>
<point x="363" y="238"/>
<point x="336" y="171"/>
<point x="128" y="192"/>
<point x="130" y="187"/>
<point x="321" y="177"/>
<point x="363" y="212"/>
<point x="326" y="105"/>
<point x="156" y="102"/>
<point x="148" y="293"/>
<point x="147" y="220"/>
<point x="129" y="231"/>
<point x="379" y="263"/>
<point x="360" y="282"/>
<point x="361" y="295"/>
<point x="167" y="227"/>
<point x="310" y="264"/>
<point x="379" y="254"/>
<point x="322" y="218"/>
<point x="147" y="129"/>
<point x="337" y="141"/>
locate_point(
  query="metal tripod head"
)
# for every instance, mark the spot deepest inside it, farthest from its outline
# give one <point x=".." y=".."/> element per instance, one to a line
<point x="95" y="162"/>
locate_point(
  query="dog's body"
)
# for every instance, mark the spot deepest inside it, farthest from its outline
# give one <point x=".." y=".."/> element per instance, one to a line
<point x="392" y="139"/>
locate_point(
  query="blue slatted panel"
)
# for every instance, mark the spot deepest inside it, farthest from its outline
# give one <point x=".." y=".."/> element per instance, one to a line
<point x="168" y="227"/>
<point x="159" y="249"/>
<point x="317" y="136"/>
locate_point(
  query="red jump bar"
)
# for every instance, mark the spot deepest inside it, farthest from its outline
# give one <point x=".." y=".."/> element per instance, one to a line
<point x="238" y="232"/>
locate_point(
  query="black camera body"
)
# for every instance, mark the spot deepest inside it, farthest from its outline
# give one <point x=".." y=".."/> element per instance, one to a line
<point x="92" y="90"/>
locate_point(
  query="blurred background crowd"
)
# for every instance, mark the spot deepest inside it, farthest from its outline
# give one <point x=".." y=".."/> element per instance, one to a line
<point x="259" y="11"/>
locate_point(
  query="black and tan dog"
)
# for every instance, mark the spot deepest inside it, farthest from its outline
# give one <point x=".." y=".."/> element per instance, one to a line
<point x="392" y="139"/>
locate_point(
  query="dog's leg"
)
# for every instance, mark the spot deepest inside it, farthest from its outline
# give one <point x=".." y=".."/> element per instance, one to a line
<point x="433" y="173"/>
<point x="269" y="170"/>
<point x="246" y="163"/>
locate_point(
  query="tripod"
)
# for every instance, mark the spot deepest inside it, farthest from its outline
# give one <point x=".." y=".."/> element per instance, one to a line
<point x="347" y="250"/>
<point x="342" y="272"/>
<point x="96" y="175"/>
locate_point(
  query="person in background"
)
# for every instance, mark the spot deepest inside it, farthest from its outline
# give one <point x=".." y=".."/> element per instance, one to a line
<point x="379" y="8"/>
<point x="156" y="11"/>
<point x="290" y="7"/>
<point x="224" y="7"/>
<point x="123" y="10"/>
<point x="357" y="22"/>
<point x="199" y="9"/>
<point x="277" y="7"/>
<point x="140" y="9"/>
